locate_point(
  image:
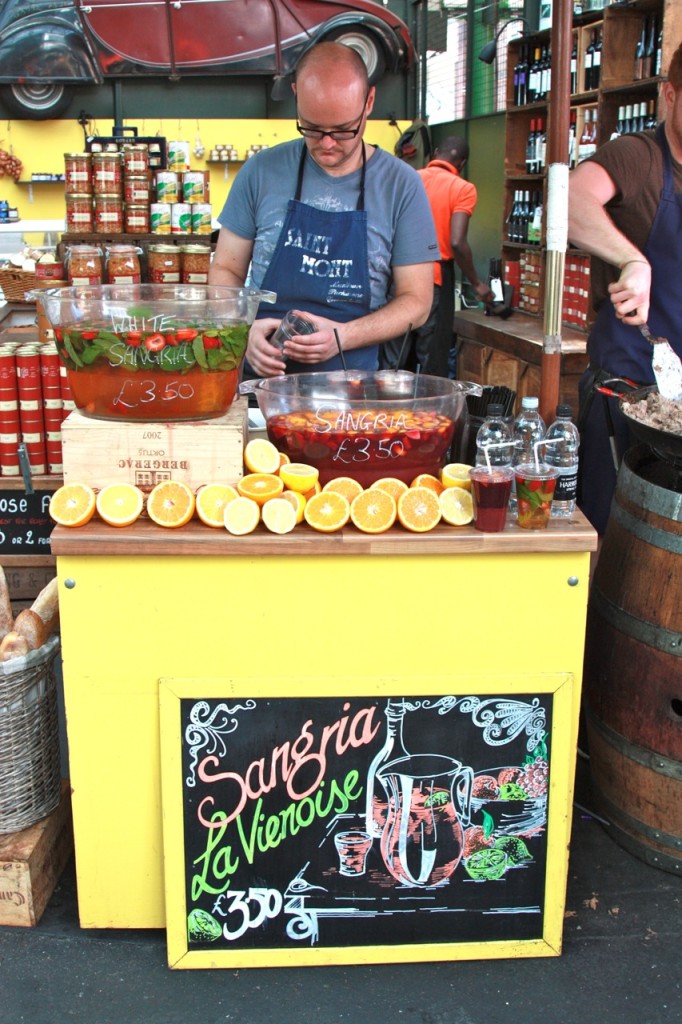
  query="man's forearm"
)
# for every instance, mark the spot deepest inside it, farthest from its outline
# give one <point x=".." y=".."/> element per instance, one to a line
<point x="465" y="261"/>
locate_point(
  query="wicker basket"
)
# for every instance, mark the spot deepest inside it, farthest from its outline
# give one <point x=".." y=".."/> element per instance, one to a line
<point x="30" y="776"/>
<point x="15" y="283"/>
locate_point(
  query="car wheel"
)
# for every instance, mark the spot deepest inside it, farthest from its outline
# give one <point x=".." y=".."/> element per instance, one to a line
<point x="367" y="45"/>
<point x="36" y="101"/>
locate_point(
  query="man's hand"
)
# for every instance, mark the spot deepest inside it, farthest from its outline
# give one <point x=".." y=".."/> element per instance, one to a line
<point x="265" y="358"/>
<point x="630" y="294"/>
<point x="484" y="293"/>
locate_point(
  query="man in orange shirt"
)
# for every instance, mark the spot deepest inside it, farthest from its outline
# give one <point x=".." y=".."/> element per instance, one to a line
<point x="453" y="200"/>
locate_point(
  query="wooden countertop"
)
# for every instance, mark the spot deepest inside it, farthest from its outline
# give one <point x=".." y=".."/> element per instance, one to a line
<point x="145" y="538"/>
<point x="520" y="335"/>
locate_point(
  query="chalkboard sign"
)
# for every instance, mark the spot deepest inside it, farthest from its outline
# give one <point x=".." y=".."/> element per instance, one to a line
<point x="306" y="829"/>
<point x="25" y="524"/>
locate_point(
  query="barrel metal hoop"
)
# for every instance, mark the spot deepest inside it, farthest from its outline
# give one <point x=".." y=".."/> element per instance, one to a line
<point x="634" y="752"/>
<point x="645" y="531"/>
<point x="650" y="496"/>
<point x="617" y="814"/>
<point x="664" y="640"/>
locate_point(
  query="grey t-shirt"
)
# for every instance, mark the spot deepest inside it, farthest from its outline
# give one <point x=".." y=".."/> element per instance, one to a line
<point x="399" y="221"/>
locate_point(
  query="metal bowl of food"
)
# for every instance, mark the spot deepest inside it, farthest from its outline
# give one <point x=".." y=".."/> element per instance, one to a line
<point x="152" y="352"/>
<point x="364" y="424"/>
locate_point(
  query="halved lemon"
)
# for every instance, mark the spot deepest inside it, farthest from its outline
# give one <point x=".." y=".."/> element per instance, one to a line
<point x="279" y="515"/>
<point x="456" y="506"/>
<point x="241" y="516"/>
<point x="211" y="502"/>
<point x="298" y="476"/>
<point x="297" y="502"/>
<point x="456" y="474"/>
<point x="261" y="456"/>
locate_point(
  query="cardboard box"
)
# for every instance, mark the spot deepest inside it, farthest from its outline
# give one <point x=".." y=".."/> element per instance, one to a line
<point x="31" y="864"/>
<point x="100" y="452"/>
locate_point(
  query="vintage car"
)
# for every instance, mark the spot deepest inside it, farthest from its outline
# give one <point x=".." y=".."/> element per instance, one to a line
<point x="49" y="46"/>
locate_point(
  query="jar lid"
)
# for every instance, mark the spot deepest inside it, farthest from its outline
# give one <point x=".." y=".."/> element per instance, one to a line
<point x="77" y="156"/>
<point x="107" y="156"/>
<point x="108" y="195"/>
<point x="78" y="195"/>
<point x="164" y="248"/>
<point x="123" y="248"/>
<point x="198" y="249"/>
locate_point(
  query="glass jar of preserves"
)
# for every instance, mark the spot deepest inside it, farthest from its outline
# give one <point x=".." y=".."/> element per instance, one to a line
<point x="79" y="212"/>
<point x="135" y="159"/>
<point x="78" y="172"/>
<point x="137" y="218"/>
<point x="164" y="264"/>
<point x="136" y="189"/>
<point x="107" y="178"/>
<point x="123" y="264"/>
<point x="108" y="214"/>
<point x="196" y="260"/>
<point x="83" y="264"/>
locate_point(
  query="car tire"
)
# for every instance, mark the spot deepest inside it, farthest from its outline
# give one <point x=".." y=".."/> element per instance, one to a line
<point x="35" y="101"/>
<point x="367" y="45"/>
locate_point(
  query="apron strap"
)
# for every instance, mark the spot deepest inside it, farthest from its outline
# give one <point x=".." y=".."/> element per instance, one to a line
<point x="360" y="205"/>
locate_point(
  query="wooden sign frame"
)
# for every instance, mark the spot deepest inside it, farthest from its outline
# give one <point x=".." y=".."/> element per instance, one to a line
<point x="253" y="895"/>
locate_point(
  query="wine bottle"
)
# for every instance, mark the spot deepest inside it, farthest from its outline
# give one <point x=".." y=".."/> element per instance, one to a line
<point x="534" y="77"/>
<point x="587" y="64"/>
<point x="376" y="798"/>
<point x="651" y="115"/>
<point x="572" y="139"/>
<point x="596" y="62"/>
<point x="650" y="47"/>
<point x="639" y="53"/>
<point x="574" y="65"/>
<point x="586" y="146"/>
<point x="540" y="147"/>
<point x="659" y="51"/>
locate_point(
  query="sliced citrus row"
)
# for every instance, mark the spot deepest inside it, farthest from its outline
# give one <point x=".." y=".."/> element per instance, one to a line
<point x="279" y="515"/>
<point x="391" y="485"/>
<point x="456" y="506"/>
<point x="456" y="474"/>
<point x="344" y="485"/>
<point x="120" y="504"/>
<point x="211" y="502"/>
<point x="241" y="516"/>
<point x="419" y="509"/>
<point x="429" y="481"/>
<point x="373" y="511"/>
<point x="327" y="511"/>
<point x="261" y="456"/>
<point x="260" y="487"/>
<point x="72" y="505"/>
<point x="171" y="504"/>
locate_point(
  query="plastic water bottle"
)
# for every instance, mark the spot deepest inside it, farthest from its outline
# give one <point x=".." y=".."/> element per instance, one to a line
<point x="528" y="428"/>
<point x="494" y="432"/>
<point x="564" y="456"/>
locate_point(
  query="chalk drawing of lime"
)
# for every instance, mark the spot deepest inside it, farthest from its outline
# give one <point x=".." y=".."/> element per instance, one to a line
<point x="202" y="926"/>
<point x="486" y="865"/>
<point x="515" y="848"/>
<point x="512" y="791"/>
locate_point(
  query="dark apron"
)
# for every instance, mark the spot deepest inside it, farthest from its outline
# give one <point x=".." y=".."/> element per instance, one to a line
<point x="320" y="265"/>
<point x="621" y="351"/>
<point x="428" y="346"/>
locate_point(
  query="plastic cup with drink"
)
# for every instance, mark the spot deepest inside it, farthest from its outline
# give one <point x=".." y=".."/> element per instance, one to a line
<point x="535" y="483"/>
<point x="490" y="489"/>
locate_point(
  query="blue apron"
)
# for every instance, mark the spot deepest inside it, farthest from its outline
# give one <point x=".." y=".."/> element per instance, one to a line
<point x="320" y="265"/>
<point x="621" y="350"/>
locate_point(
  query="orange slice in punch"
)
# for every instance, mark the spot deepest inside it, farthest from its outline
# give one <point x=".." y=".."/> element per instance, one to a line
<point x="171" y="504"/>
<point x="72" y="505"/>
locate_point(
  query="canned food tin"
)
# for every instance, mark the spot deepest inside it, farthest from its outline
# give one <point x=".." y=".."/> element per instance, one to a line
<point x="181" y="219"/>
<point x="160" y="218"/>
<point x="123" y="264"/>
<point x="135" y="160"/>
<point x="136" y="189"/>
<point x="195" y="187"/>
<point x="202" y="218"/>
<point x="79" y="212"/>
<point x="196" y="260"/>
<point x="164" y="264"/>
<point x="178" y="156"/>
<point x="137" y="218"/>
<point x="167" y="187"/>
<point x="107" y="176"/>
<point x="78" y="172"/>
<point x="108" y="214"/>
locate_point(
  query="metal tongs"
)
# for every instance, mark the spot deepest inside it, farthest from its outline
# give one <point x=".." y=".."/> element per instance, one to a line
<point x="666" y="365"/>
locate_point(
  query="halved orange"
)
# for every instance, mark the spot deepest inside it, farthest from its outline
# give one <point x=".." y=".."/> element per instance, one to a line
<point x="211" y="502"/>
<point x="278" y="515"/>
<point x="297" y="501"/>
<point x="313" y="491"/>
<point x="260" y="487"/>
<point x="419" y="509"/>
<point x="299" y="476"/>
<point x="428" y="480"/>
<point x="72" y="505"/>
<point x="241" y="516"/>
<point x="120" y="504"/>
<point x="344" y="485"/>
<point x="171" y="503"/>
<point x="261" y="456"/>
<point x="283" y="459"/>
<point x="373" y="511"/>
<point x="456" y="506"/>
<point x="327" y="511"/>
<point x="391" y="485"/>
<point x="456" y="474"/>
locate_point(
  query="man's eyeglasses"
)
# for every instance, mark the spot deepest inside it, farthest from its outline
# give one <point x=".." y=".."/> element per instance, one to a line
<point x="338" y="135"/>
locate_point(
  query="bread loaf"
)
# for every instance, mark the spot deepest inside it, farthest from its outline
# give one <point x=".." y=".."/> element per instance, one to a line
<point x="46" y="605"/>
<point x="6" y="616"/>
<point x="13" y="646"/>
<point x="30" y="625"/>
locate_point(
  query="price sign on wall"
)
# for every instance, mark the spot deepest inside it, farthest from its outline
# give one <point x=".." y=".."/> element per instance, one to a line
<point x="25" y="524"/>
<point x="334" y="829"/>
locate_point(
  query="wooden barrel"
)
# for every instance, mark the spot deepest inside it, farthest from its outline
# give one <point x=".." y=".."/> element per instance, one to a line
<point x="633" y="663"/>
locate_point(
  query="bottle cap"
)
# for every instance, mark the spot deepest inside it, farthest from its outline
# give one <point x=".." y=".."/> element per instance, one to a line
<point x="564" y="410"/>
<point x="530" y="402"/>
<point x="494" y="409"/>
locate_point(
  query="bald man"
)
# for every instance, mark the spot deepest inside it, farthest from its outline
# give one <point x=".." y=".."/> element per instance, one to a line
<point x="338" y="228"/>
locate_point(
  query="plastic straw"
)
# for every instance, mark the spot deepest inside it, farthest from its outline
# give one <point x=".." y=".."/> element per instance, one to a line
<point x="543" y="444"/>
<point x="338" y="345"/>
<point x="402" y="347"/>
<point x="495" y="444"/>
<point x="416" y="380"/>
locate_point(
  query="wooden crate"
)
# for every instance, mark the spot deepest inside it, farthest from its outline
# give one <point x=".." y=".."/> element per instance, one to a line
<point x="31" y="864"/>
<point x="100" y="452"/>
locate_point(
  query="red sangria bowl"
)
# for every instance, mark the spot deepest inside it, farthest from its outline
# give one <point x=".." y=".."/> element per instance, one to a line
<point x="364" y="424"/>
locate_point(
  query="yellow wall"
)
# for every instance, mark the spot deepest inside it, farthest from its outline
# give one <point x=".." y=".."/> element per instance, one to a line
<point x="41" y="145"/>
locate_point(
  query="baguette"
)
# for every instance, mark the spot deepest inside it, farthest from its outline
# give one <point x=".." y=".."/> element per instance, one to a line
<point x="30" y="625"/>
<point x="6" y="615"/>
<point x="13" y="646"/>
<point x="46" y="605"/>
